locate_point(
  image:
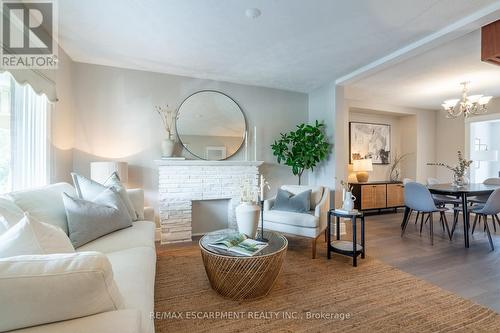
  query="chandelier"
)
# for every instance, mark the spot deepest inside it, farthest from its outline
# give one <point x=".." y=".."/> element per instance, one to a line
<point x="467" y="105"/>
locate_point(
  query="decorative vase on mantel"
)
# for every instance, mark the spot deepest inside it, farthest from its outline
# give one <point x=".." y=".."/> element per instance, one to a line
<point x="247" y="218"/>
<point x="167" y="146"/>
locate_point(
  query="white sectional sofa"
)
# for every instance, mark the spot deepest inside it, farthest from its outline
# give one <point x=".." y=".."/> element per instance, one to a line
<point x="131" y="252"/>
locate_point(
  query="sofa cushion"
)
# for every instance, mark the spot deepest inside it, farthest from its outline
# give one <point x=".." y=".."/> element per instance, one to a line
<point x="10" y="213"/>
<point x="307" y="220"/>
<point x="43" y="289"/>
<point x="316" y="192"/>
<point x="123" y="321"/>
<point x="45" y="204"/>
<point x="89" y="220"/>
<point x="299" y="203"/>
<point x="88" y="189"/>
<point x="135" y="277"/>
<point x="30" y="236"/>
<point x="141" y="233"/>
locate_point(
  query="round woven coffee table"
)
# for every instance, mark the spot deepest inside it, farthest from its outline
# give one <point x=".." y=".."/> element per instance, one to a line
<point x="240" y="277"/>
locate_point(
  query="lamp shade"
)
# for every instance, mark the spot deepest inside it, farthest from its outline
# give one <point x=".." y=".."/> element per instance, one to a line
<point x="362" y="165"/>
<point x="484" y="155"/>
<point x="100" y="171"/>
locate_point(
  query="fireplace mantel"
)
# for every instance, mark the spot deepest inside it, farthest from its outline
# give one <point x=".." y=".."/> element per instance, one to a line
<point x="182" y="181"/>
<point x="207" y="163"/>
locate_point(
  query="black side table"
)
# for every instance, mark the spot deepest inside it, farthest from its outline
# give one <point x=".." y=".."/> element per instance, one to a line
<point x="347" y="248"/>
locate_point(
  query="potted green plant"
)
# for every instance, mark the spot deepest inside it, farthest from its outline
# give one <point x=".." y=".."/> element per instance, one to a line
<point x="302" y="149"/>
<point x="459" y="170"/>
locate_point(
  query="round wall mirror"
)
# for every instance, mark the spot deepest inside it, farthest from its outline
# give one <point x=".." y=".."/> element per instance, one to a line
<point x="211" y="125"/>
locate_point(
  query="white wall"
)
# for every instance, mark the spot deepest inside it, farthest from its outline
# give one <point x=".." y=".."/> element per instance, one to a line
<point x="380" y="172"/>
<point x="62" y="120"/>
<point x="115" y="119"/>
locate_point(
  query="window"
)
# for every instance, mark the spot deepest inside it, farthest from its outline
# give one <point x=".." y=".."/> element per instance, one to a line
<point x="24" y="136"/>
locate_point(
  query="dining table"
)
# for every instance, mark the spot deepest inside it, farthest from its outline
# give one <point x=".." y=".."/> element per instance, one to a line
<point x="463" y="192"/>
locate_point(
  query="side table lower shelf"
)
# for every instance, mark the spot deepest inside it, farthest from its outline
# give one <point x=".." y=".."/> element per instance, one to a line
<point x="344" y="247"/>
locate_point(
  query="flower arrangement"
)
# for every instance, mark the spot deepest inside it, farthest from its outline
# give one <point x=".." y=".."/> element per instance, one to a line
<point x="346" y="186"/>
<point x="459" y="170"/>
<point x="168" y="117"/>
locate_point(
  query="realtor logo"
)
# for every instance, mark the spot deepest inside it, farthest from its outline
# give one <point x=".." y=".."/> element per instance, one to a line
<point x="28" y="34"/>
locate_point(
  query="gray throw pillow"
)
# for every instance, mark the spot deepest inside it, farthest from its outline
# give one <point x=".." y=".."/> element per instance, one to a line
<point x="89" y="220"/>
<point x="299" y="203"/>
<point x="88" y="189"/>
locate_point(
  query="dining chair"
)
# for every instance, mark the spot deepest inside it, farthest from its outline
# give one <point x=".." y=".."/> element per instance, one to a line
<point x="490" y="208"/>
<point x="419" y="199"/>
<point x="442" y="199"/>
<point x="481" y="199"/>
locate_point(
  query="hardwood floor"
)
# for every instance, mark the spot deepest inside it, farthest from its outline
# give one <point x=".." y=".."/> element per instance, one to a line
<point x="472" y="273"/>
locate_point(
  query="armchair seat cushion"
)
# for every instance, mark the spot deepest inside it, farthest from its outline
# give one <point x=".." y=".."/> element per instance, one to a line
<point x="305" y="220"/>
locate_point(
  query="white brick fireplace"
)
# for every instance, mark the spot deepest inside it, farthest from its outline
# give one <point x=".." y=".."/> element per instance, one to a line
<point x="182" y="181"/>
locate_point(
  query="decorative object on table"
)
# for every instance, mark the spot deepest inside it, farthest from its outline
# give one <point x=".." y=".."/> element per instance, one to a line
<point x="369" y="141"/>
<point x="361" y="167"/>
<point x="395" y="172"/>
<point x="238" y="244"/>
<point x="100" y="171"/>
<point x="459" y="170"/>
<point x="347" y="197"/>
<point x="247" y="212"/>
<point x="238" y="277"/>
<point x="262" y="185"/>
<point x="467" y="105"/>
<point x="347" y="248"/>
<point x="211" y="118"/>
<point x="168" y="117"/>
<point x="302" y="149"/>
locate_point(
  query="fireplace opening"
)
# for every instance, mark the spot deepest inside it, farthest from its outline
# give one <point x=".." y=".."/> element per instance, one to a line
<point x="209" y="215"/>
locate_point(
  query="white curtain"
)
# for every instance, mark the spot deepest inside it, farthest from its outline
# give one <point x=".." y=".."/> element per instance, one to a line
<point x="30" y="131"/>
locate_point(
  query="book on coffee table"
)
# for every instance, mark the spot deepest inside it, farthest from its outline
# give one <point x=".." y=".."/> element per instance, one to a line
<point x="240" y="244"/>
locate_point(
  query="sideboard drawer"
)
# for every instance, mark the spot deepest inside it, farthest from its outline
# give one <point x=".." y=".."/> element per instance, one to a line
<point x="395" y="195"/>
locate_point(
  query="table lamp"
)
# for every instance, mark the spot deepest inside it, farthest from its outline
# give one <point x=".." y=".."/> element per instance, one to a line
<point x="361" y="167"/>
<point x="100" y="171"/>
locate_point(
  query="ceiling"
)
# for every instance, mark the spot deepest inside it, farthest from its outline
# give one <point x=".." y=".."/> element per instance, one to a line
<point x="426" y="80"/>
<point x="295" y="44"/>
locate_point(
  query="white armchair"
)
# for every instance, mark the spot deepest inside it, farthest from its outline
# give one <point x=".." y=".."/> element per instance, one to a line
<point x="310" y="224"/>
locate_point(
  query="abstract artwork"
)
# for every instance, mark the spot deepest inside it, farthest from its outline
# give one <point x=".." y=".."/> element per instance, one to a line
<point x="368" y="140"/>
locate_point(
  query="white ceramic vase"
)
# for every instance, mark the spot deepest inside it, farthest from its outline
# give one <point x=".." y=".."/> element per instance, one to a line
<point x="247" y="218"/>
<point x="348" y="203"/>
<point x="167" y="147"/>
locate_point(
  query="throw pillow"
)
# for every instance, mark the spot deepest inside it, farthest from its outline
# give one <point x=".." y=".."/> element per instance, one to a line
<point x="89" y="220"/>
<point x="88" y="189"/>
<point x="299" y="203"/>
<point x="30" y="236"/>
<point x="40" y="289"/>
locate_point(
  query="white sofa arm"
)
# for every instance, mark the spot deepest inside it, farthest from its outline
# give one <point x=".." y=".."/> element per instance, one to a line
<point x="268" y="204"/>
<point x="136" y="196"/>
<point x="321" y="210"/>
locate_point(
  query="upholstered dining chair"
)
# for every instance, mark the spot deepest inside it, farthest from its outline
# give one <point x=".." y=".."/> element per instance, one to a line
<point x="481" y="199"/>
<point x="441" y="199"/>
<point x="490" y="208"/>
<point x="419" y="199"/>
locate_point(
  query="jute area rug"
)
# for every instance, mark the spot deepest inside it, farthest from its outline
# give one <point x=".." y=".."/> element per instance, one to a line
<point x="311" y="296"/>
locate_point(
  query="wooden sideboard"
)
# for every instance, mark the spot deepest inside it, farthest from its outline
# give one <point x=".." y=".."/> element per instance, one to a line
<point x="378" y="195"/>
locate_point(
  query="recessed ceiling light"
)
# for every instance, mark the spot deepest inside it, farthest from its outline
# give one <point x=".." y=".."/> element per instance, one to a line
<point x="253" y="13"/>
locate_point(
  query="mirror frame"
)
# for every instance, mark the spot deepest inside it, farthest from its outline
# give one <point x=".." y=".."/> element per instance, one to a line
<point x="178" y="113"/>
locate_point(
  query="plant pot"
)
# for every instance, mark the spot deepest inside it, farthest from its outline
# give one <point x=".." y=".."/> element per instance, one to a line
<point x="167" y="147"/>
<point x="247" y="218"/>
